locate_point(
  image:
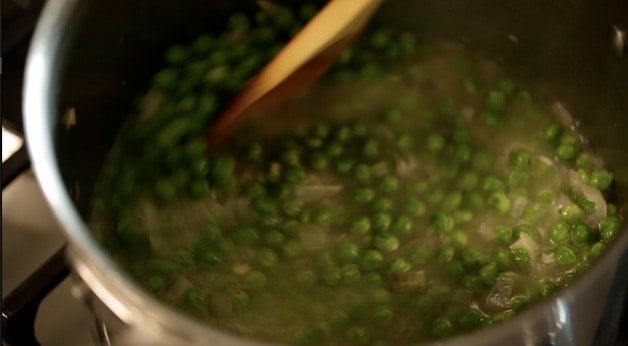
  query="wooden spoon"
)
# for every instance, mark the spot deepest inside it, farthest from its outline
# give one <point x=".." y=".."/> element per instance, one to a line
<point x="299" y="63"/>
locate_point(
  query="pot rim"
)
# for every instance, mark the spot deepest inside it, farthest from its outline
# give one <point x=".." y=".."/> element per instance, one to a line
<point x="119" y="292"/>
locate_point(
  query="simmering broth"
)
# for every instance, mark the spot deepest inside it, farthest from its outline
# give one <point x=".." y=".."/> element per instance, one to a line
<point x="413" y="193"/>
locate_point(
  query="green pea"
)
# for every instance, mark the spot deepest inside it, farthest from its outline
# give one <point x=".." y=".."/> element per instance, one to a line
<point x="165" y="79"/>
<point x="371" y="149"/>
<point x="481" y="161"/>
<point x="177" y="55"/>
<point x="524" y="97"/>
<point x="503" y="235"/>
<point x="597" y="249"/>
<point x="455" y="270"/>
<point x="399" y="266"/>
<point x="292" y="249"/>
<point x="441" y="328"/>
<point x="580" y="233"/>
<point x="371" y="260"/>
<point x="274" y="238"/>
<point x="459" y="239"/>
<point x="566" y="152"/>
<point x="383" y="315"/>
<point x="292" y="208"/>
<point x="488" y="273"/>
<point x="546" y="288"/>
<point x="307" y="337"/>
<point x="519" y="158"/>
<point x="473" y="258"/>
<point x="332" y="276"/>
<point x="473" y="283"/>
<point x="472" y="319"/>
<point x="381" y="221"/>
<point x="358" y="335"/>
<point x="344" y="165"/>
<point x="389" y="184"/>
<point x="417" y="255"/>
<point x="404" y="142"/>
<point x="209" y="258"/>
<point x="518" y="302"/>
<point x="463" y="153"/>
<point x="492" y="184"/>
<point x="609" y="226"/>
<point x="502" y="258"/>
<point x="435" y="142"/>
<point x="318" y="160"/>
<point x="294" y="175"/>
<point x="264" y="205"/>
<point x="529" y="230"/>
<point x="240" y="300"/>
<point x="246" y="235"/>
<point x="361" y="225"/>
<point x="363" y="195"/>
<point x="402" y="225"/>
<point x="271" y="221"/>
<point x="584" y="161"/>
<point x="155" y="283"/>
<point x="559" y="233"/>
<point x="463" y="216"/>
<point x="445" y="254"/>
<point x="256" y="279"/>
<point x="321" y="130"/>
<point x="306" y="278"/>
<point x="414" y="207"/>
<point x="362" y="173"/>
<point x="386" y="242"/>
<point x="569" y="138"/>
<point x="348" y="252"/>
<point x="165" y="190"/>
<point x="222" y="173"/>
<point x="521" y="256"/>
<point x="267" y="257"/>
<point x="601" y="179"/>
<point x="373" y="279"/>
<point x="291" y="156"/>
<point x="571" y="213"/>
<point x="517" y="178"/>
<point x="473" y="201"/>
<point x="185" y="258"/>
<point x="468" y="181"/>
<point x="417" y="186"/>
<point x="193" y="299"/>
<point x="495" y="100"/>
<point x="546" y="197"/>
<point x="553" y="132"/>
<point x="500" y="202"/>
<point x="360" y="128"/>
<point x="452" y="201"/>
<point x="443" y="222"/>
<point x="226" y="245"/>
<point x="382" y="204"/>
<point x="436" y="196"/>
<point x="255" y="189"/>
<point x="334" y="149"/>
<point x="198" y="188"/>
<point x="343" y="133"/>
<point x="350" y="273"/>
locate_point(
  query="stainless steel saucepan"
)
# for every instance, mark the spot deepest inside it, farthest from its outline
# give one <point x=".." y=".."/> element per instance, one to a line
<point x="90" y="59"/>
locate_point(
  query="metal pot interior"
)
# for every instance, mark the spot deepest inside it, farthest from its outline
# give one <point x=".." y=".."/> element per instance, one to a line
<point x="562" y="51"/>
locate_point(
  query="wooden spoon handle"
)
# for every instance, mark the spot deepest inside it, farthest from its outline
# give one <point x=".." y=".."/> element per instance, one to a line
<point x="300" y="62"/>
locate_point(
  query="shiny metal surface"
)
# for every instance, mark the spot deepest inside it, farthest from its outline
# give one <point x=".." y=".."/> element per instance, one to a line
<point x="94" y="58"/>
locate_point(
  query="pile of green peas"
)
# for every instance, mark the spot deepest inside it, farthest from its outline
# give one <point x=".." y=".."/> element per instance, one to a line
<point x="398" y="224"/>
